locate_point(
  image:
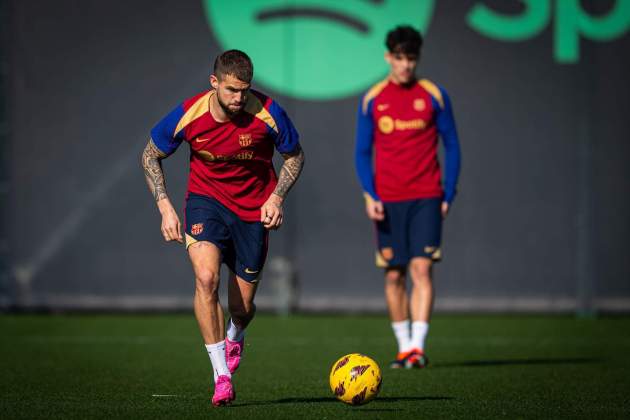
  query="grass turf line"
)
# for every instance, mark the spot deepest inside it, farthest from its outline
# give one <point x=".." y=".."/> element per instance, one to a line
<point x="482" y="367"/>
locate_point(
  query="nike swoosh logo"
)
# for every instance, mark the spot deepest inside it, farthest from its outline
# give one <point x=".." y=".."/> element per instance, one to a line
<point x="382" y="107"/>
<point x="248" y="271"/>
<point x="200" y="140"/>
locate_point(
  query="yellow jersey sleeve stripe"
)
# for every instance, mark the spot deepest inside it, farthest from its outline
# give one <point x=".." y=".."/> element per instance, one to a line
<point x="257" y="109"/>
<point x="433" y="91"/>
<point x="195" y="111"/>
<point x="372" y="93"/>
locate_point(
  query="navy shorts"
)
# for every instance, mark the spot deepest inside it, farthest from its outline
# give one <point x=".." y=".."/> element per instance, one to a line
<point x="243" y="245"/>
<point x="411" y="229"/>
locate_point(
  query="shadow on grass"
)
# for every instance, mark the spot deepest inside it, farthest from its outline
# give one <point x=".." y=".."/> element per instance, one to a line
<point x="396" y="399"/>
<point x="378" y="401"/>
<point x="517" y="362"/>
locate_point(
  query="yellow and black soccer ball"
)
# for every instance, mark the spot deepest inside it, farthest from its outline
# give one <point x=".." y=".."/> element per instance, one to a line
<point x="355" y="379"/>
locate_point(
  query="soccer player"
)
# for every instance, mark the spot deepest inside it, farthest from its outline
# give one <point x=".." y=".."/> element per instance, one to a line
<point x="401" y="118"/>
<point x="234" y="198"/>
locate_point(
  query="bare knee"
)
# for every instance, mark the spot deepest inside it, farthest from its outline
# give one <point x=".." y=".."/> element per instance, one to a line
<point x="207" y="282"/>
<point x="421" y="269"/>
<point x="394" y="278"/>
<point x="242" y="310"/>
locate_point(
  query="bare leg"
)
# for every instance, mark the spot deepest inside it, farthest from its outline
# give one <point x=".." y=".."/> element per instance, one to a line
<point x="422" y="289"/>
<point x="396" y="294"/>
<point x="206" y="261"/>
<point x="242" y="309"/>
<point x="241" y="300"/>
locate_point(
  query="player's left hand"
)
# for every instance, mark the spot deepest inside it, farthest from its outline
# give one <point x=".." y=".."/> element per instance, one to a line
<point x="445" y="208"/>
<point x="271" y="212"/>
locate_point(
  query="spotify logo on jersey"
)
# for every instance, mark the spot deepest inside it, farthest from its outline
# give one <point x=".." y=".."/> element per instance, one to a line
<point x="314" y="50"/>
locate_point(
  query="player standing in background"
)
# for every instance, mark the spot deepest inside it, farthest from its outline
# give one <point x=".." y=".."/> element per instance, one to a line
<point x="233" y="198"/>
<point x="401" y="118"/>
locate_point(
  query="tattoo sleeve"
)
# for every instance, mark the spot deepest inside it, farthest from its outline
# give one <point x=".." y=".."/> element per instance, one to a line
<point x="290" y="171"/>
<point x="151" y="162"/>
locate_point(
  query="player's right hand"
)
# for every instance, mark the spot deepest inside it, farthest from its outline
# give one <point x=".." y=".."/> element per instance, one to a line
<point x="171" y="227"/>
<point x="445" y="209"/>
<point x="374" y="209"/>
<point x="271" y="212"/>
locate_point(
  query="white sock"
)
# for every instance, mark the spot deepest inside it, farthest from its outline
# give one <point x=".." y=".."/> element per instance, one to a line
<point x="419" y="331"/>
<point x="401" y="331"/>
<point x="234" y="333"/>
<point x="217" y="358"/>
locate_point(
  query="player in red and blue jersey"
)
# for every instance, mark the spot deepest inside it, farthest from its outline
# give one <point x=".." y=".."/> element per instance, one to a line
<point x="234" y="198"/>
<point x="401" y="119"/>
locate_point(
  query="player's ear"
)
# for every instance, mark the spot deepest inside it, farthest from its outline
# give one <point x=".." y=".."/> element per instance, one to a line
<point x="388" y="57"/>
<point x="214" y="81"/>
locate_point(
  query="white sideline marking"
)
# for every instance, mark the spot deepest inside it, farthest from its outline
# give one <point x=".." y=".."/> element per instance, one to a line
<point x="164" y="395"/>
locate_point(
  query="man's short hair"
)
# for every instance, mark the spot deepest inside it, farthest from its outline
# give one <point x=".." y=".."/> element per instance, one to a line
<point x="234" y="63"/>
<point x="404" y="40"/>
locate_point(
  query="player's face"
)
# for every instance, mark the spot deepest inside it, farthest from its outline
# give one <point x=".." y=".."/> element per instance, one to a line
<point x="231" y="93"/>
<point x="402" y="66"/>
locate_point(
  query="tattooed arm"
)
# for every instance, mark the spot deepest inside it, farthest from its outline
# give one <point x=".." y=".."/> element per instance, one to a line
<point x="271" y="212"/>
<point x="290" y="171"/>
<point x="152" y="164"/>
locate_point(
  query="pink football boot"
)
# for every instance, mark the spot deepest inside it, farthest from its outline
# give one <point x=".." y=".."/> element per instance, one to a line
<point x="233" y="352"/>
<point x="223" y="391"/>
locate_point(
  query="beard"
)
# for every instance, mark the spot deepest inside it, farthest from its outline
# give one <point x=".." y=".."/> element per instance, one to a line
<point x="225" y="107"/>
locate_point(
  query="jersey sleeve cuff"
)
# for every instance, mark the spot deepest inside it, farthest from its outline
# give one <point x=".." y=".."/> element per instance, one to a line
<point x="449" y="196"/>
<point x="370" y="197"/>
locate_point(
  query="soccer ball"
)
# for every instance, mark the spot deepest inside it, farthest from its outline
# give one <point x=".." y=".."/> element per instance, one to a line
<point x="355" y="379"/>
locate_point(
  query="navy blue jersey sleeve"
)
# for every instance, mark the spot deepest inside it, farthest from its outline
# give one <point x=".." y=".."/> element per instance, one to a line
<point x="445" y="123"/>
<point x="163" y="134"/>
<point x="363" y="149"/>
<point x="286" y="139"/>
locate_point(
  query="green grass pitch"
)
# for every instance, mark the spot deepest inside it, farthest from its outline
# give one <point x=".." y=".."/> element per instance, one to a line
<point x="154" y="366"/>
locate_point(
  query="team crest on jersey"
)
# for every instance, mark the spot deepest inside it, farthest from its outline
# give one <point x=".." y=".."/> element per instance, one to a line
<point x="245" y="139"/>
<point x="196" y="229"/>
<point x="419" y="104"/>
